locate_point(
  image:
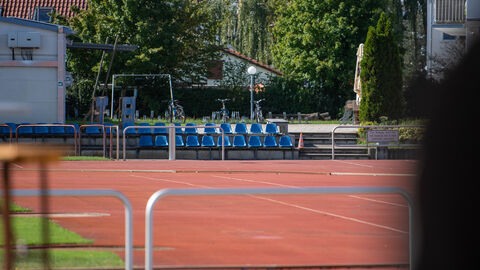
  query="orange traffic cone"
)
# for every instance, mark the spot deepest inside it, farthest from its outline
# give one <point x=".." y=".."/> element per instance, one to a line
<point x="300" y="141"/>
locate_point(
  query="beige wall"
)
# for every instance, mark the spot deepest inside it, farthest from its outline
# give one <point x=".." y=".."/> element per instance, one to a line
<point x="35" y="84"/>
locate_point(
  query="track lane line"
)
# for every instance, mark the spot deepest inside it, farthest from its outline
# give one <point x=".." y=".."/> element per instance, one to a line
<point x="377" y="201"/>
<point x="290" y="186"/>
<point x="281" y="202"/>
<point x="331" y="214"/>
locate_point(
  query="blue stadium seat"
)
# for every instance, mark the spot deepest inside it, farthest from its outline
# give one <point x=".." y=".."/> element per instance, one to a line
<point x="270" y="141"/>
<point x="54" y="130"/>
<point x="240" y="128"/>
<point x="93" y="130"/>
<point x="40" y="130"/>
<point x="108" y="130"/>
<point x="271" y="128"/>
<point x="161" y="141"/>
<point x="210" y="130"/>
<point x="227" y="128"/>
<point x="145" y="141"/>
<point x="226" y="141"/>
<point x="207" y="141"/>
<point x="190" y="128"/>
<point x="129" y="131"/>
<point x="178" y="130"/>
<point x="285" y="141"/>
<point x="144" y="130"/>
<point x="256" y="128"/>
<point x="13" y="126"/>
<point x="70" y="130"/>
<point x="179" y="141"/>
<point x="4" y="130"/>
<point x="160" y="130"/>
<point x="239" y="141"/>
<point x="192" y="141"/>
<point x="25" y="130"/>
<point x="254" y="141"/>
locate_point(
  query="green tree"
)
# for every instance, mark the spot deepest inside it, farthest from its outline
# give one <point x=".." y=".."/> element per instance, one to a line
<point x="175" y="37"/>
<point x="381" y="74"/>
<point x="316" y="43"/>
<point x="245" y="25"/>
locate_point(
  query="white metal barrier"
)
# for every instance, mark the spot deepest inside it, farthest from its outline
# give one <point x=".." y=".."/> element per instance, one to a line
<point x="10" y="129"/>
<point x="371" y="126"/>
<point x="248" y="191"/>
<point x="171" y="138"/>
<point x="91" y="193"/>
<point x="50" y="125"/>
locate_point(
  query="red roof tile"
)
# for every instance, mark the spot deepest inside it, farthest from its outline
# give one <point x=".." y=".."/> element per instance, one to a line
<point x="25" y="8"/>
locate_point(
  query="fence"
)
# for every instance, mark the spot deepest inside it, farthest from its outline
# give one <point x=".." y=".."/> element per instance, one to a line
<point x="371" y="126"/>
<point x="49" y="125"/>
<point x="244" y="191"/>
<point x="10" y="130"/>
<point x="90" y="193"/>
<point x="104" y="127"/>
<point x="171" y="137"/>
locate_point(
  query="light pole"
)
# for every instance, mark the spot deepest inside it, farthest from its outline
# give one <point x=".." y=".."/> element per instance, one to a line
<point x="251" y="70"/>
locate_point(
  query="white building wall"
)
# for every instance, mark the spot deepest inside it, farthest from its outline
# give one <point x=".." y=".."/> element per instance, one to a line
<point x="33" y="87"/>
<point x="32" y="84"/>
<point x="262" y="76"/>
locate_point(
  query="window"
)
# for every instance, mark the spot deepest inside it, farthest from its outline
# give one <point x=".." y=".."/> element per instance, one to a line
<point x="448" y="37"/>
<point x="1" y="11"/>
<point x="215" y="70"/>
<point x="43" y="14"/>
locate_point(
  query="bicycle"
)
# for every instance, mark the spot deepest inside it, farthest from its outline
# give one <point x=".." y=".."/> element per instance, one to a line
<point x="224" y="111"/>
<point x="258" y="111"/>
<point x="175" y="111"/>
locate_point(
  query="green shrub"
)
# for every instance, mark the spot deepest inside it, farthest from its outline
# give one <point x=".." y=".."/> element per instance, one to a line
<point x="381" y="74"/>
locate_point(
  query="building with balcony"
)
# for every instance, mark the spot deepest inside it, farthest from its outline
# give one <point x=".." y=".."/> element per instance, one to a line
<point x="452" y="27"/>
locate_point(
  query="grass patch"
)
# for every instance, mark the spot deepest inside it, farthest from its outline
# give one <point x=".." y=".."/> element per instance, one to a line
<point x="65" y="259"/>
<point x="83" y="158"/>
<point x="28" y="230"/>
<point x="15" y="208"/>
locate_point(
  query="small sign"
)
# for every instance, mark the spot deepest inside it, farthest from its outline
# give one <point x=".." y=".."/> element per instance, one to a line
<point x="382" y="136"/>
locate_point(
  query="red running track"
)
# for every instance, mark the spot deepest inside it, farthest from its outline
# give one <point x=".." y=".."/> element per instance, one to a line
<point x="361" y="229"/>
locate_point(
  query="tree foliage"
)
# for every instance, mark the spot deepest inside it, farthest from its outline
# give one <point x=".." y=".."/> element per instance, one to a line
<point x="173" y="37"/>
<point x="316" y="41"/>
<point x="381" y="74"/>
<point x="245" y="25"/>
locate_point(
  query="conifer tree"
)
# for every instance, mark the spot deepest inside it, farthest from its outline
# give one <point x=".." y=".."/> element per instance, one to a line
<point x="381" y="74"/>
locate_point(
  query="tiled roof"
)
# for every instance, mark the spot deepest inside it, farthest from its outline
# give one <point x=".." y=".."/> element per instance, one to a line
<point x="25" y="8"/>
<point x="253" y="61"/>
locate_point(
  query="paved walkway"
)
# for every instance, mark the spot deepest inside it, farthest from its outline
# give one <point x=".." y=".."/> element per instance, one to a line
<point x="318" y="128"/>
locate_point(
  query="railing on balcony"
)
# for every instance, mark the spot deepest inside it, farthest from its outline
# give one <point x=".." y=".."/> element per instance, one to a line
<point x="450" y="11"/>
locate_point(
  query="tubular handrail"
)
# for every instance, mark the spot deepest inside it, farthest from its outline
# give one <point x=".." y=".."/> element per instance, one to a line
<point x="111" y="128"/>
<point x="249" y="191"/>
<point x="91" y="193"/>
<point x="369" y="126"/>
<point x="80" y="136"/>
<point x="50" y="125"/>
<point x="11" y="131"/>
<point x="172" y="142"/>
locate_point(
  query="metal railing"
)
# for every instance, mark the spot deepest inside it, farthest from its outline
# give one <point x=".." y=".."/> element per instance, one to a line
<point x="92" y="193"/>
<point x="371" y="126"/>
<point x="171" y="138"/>
<point x="50" y="125"/>
<point x="11" y="131"/>
<point x="104" y="138"/>
<point x="250" y="191"/>
<point x="450" y="11"/>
